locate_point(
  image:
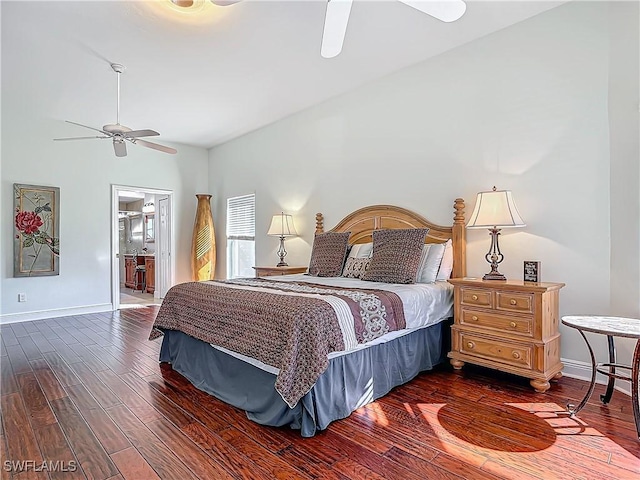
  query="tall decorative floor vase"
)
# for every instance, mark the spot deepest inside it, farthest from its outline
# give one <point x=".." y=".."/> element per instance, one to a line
<point x="203" y="245"/>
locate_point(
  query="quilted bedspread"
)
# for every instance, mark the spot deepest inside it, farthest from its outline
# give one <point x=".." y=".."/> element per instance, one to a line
<point x="292" y="326"/>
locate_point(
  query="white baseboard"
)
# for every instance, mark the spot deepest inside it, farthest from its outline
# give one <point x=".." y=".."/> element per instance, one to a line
<point x="582" y="371"/>
<point x="56" y="312"/>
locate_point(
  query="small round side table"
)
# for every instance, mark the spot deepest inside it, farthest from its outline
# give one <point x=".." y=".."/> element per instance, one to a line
<point x="611" y="327"/>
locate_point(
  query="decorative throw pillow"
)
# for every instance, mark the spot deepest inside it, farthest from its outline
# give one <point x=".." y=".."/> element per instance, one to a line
<point x="429" y="268"/>
<point x="396" y="255"/>
<point x="356" y="267"/>
<point x="446" y="266"/>
<point x="327" y="256"/>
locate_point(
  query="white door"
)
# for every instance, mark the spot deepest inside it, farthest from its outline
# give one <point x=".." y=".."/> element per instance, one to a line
<point x="163" y="252"/>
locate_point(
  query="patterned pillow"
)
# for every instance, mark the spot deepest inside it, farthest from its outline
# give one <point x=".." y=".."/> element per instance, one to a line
<point x="327" y="256"/>
<point x="355" y="267"/>
<point x="396" y="255"/>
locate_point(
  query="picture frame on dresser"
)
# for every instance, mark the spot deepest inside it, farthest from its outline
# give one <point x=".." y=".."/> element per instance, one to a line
<point x="531" y="271"/>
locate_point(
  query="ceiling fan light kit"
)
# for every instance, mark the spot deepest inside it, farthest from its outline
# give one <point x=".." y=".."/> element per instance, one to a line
<point x="121" y="134"/>
<point x="182" y="3"/>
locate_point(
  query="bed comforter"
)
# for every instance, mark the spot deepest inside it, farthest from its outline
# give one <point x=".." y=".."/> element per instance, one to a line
<point x="292" y="326"/>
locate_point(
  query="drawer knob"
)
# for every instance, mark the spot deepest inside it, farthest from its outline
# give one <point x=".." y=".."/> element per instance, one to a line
<point x="474" y="297"/>
<point x="470" y="345"/>
<point x="512" y="324"/>
<point x="474" y="318"/>
<point x="516" y="355"/>
<point x="513" y="302"/>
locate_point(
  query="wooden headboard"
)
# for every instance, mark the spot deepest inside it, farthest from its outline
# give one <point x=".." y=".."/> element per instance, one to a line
<point x="364" y="221"/>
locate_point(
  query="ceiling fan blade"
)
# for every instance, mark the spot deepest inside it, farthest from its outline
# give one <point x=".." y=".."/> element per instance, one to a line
<point x="335" y="27"/>
<point x="119" y="147"/>
<point x="76" y="138"/>
<point x="141" y="133"/>
<point x="155" y="146"/>
<point x="444" y="10"/>
<point x="90" y="128"/>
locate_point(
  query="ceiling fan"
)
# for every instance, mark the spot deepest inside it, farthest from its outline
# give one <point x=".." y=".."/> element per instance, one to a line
<point x="338" y="11"/>
<point x="337" y="17"/>
<point x="121" y="134"/>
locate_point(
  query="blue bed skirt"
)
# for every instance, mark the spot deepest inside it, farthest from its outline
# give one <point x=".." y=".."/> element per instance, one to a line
<point x="349" y="382"/>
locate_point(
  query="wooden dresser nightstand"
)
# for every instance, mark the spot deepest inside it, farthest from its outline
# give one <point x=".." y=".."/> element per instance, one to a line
<point x="271" y="271"/>
<point x="510" y="325"/>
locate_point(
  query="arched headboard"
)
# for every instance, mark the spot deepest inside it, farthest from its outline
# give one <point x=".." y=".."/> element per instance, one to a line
<point x="364" y="221"/>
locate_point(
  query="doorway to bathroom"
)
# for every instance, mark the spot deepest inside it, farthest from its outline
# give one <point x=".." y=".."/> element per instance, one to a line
<point x="141" y="244"/>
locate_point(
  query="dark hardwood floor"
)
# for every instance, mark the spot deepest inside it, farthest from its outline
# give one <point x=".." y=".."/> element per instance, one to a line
<point x="88" y="391"/>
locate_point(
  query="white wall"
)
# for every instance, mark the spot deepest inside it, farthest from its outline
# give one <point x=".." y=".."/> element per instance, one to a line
<point x="84" y="171"/>
<point x="624" y="121"/>
<point x="524" y="109"/>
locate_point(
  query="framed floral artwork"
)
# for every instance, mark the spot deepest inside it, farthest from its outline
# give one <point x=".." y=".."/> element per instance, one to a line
<point x="36" y="230"/>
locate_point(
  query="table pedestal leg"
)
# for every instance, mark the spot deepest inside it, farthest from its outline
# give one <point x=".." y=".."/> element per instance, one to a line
<point x="572" y="409"/>
<point x="635" y="386"/>
<point x="606" y="398"/>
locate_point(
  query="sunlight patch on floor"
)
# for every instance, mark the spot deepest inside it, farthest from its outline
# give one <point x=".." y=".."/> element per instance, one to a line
<point x="407" y="407"/>
<point x="374" y="412"/>
<point x="571" y="435"/>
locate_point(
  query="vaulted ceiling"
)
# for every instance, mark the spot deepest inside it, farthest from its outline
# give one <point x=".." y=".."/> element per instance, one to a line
<point x="204" y="77"/>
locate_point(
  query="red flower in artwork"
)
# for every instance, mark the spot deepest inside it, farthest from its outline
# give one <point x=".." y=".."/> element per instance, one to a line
<point x="28" y="222"/>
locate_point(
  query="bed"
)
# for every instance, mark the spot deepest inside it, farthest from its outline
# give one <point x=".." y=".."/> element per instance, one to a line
<point x="315" y="384"/>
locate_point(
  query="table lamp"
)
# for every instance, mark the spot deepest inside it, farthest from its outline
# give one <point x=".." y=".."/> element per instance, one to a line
<point x="495" y="210"/>
<point x="282" y="226"/>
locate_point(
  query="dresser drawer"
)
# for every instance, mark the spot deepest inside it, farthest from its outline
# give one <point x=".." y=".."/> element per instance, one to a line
<point x="476" y="297"/>
<point x="496" y="350"/>
<point x="514" y="302"/>
<point x="516" y="325"/>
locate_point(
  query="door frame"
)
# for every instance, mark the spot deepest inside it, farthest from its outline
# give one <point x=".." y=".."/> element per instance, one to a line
<point x="160" y="284"/>
<point x="115" y="238"/>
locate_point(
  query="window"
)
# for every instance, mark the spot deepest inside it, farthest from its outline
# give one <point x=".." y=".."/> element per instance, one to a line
<point x="241" y="233"/>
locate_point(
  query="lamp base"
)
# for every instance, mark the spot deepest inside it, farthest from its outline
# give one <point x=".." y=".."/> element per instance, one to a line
<point x="494" y="257"/>
<point x="282" y="253"/>
<point x="494" y="276"/>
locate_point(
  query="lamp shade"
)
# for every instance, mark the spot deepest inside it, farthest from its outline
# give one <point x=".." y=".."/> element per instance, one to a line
<point x="495" y="209"/>
<point x="282" y="226"/>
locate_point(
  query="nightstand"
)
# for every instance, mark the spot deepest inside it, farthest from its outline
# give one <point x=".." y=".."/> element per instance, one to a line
<point x="271" y="271"/>
<point x="511" y="326"/>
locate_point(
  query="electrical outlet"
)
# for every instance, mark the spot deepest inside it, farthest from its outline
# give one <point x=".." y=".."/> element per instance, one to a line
<point x="22" y="297"/>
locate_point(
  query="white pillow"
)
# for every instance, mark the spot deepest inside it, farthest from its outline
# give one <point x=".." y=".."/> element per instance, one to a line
<point x="446" y="266"/>
<point x="361" y="250"/>
<point x="423" y="259"/>
<point x="430" y="259"/>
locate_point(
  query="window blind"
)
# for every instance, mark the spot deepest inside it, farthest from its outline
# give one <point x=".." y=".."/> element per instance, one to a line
<point x="241" y="217"/>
